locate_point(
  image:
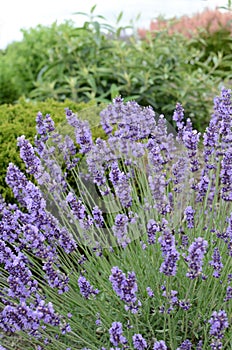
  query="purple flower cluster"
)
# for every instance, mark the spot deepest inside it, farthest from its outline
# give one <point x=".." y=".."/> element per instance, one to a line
<point x="217" y="142"/>
<point x="85" y="288"/>
<point x="160" y="345"/>
<point x="189" y="212"/>
<point x="116" y="334"/>
<point x="219" y="323"/>
<point x="97" y="217"/>
<point x="32" y="162"/>
<point x="169" y="252"/>
<point x="20" y="280"/>
<point x="216" y="263"/>
<point x="178" y="117"/>
<point x="28" y="318"/>
<point x="121" y="185"/>
<point x="133" y="122"/>
<point x="68" y="150"/>
<point x="98" y="159"/>
<point x="186" y="135"/>
<point x="186" y="345"/>
<point x="82" y="131"/>
<point x="150" y="292"/>
<point x="125" y="288"/>
<point x="77" y="207"/>
<point x="120" y="230"/>
<point x="195" y="257"/>
<point x="191" y="139"/>
<point x="56" y="279"/>
<point x="152" y="229"/>
<point x="179" y="171"/>
<point x="226" y="176"/>
<point x="44" y="125"/>
<point x="222" y="116"/>
<point x="139" y="342"/>
<point x="37" y="231"/>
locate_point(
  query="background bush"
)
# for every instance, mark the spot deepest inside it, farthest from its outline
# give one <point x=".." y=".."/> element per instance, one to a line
<point x="190" y="26"/>
<point x="96" y="61"/>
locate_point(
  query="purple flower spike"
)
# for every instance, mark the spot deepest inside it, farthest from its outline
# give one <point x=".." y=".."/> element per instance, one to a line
<point x="82" y="131"/>
<point x="85" y="288"/>
<point x="169" y="266"/>
<point x="218" y="322"/>
<point x="27" y="154"/>
<point x="125" y="288"/>
<point x="152" y="229"/>
<point x="178" y="116"/>
<point x="228" y="293"/>
<point x="116" y="336"/>
<point x="121" y="185"/>
<point x="189" y="212"/>
<point x="186" y="345"/>
<point x="216" y="263"/>
<point x="120" y="230"/>
<point x="139" y="342"/>
<point x="77" y="207"/>
<point x="195" y="258"/>
<point x="150" y="292"/>
<point x="226" y="176"/>
<point x="160" y="345"/>
<point x="169" y="252"/>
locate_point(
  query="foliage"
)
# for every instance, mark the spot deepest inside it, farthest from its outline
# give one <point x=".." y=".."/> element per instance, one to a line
<point x="25" y="59"/>
<point x="19" y="119"/>
<point x="99" y="61"/>
<point x="139" y="255"/>
<point x="8" y="91"/>
<point x="209" y="20"/>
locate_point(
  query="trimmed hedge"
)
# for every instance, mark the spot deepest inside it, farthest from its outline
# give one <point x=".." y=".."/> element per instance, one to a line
<point x="19" y="119"/>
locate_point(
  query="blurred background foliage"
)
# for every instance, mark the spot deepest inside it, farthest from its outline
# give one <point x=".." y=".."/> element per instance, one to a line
<point x="182" y="60"/>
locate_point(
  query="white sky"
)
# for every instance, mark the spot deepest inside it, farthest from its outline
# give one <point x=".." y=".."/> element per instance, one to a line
<point x="17" y="14"/>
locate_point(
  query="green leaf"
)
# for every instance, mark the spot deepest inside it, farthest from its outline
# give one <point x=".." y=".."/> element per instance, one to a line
<point x="93" y="8"/>
<point x="119" y="17"/>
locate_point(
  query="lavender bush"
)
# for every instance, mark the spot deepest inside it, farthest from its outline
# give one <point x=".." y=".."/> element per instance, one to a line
<point x="136" y="255"/>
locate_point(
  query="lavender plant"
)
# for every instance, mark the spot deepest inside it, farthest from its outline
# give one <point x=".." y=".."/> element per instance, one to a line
<point x="136" y="255"/>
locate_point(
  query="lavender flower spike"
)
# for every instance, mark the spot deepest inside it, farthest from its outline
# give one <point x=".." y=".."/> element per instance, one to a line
<point x="139" y="342"/>
<point x="116" y="336"/>
<point x="216" y="263"/>
<point x="186" y="345"/>
<point x="218" y="322"/>
<point x="160" y="345"/>
<point x="189" y="212"/>
<point x="125" y="288"/>
<point x="195" y="257"/>
<point x="85" y="288"/>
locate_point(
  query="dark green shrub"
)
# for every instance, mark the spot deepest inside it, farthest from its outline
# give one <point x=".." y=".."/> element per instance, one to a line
<point x="215" y="51"/>
<point x="8" y="88"/>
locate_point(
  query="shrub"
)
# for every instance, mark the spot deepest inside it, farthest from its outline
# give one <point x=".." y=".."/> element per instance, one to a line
<point x="139" y="256"/>
<point x="210" y="20"/>
<point x="25" y="59"/>
<point x="95" y="62"/>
